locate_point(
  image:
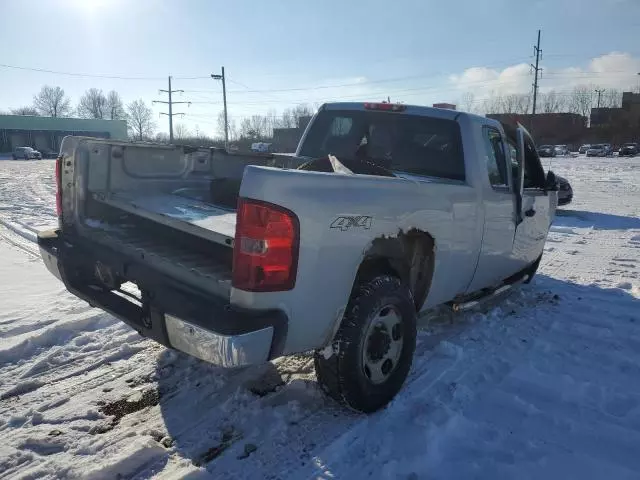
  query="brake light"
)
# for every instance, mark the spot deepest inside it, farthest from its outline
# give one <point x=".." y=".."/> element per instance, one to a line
<point x="388" y="107"/>
<point x="59" y="186"/>
<point x="265" y="254"/>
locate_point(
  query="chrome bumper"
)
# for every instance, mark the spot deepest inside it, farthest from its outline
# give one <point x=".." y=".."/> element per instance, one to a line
<point x="222" y="350"/>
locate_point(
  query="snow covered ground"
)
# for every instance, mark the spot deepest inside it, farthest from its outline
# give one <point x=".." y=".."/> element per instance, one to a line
<point x="541" y="385"/>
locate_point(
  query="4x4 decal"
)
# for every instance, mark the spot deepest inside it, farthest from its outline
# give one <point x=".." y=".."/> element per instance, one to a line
<point x="346" y="222"/>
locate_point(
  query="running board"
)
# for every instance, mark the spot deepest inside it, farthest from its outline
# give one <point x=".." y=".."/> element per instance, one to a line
<point x="464" y="306"/>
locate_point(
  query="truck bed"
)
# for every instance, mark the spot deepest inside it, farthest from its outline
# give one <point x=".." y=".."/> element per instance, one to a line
<point x="191" y="216"/>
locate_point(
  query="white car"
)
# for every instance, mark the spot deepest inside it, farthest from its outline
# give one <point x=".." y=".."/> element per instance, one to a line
<point x="597" y="151"/>
<point x="26" y="153"/>
<point x="395" y="210"/>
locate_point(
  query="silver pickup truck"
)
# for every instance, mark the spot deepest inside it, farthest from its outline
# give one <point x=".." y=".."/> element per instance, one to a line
<point x="385" y="211"/>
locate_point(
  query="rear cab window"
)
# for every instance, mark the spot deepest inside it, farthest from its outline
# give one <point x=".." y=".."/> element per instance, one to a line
<point x="400" y="142"/>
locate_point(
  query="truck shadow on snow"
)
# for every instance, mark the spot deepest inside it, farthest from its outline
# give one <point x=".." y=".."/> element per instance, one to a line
<point x="274" y="416"/>
<point x="600" y="221"/>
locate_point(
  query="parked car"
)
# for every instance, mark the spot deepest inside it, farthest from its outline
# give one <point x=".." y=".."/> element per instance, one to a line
<point x="547" y="151"/>
<point x="596" y="151"/>
<point x="561" y="150"/>
<point x="26" y="153"/>
<point x="583" y="149"/>
<point x="565" y="192"/>
<point x="322" y="257"/>
<point x="48" y="153"/>
<point x="262" y="147"/>
<point x="608" y="149"/>
<point x="629" y="150"/>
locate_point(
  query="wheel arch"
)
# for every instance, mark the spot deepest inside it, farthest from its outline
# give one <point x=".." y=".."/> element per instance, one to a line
<point x="409" y="256"/>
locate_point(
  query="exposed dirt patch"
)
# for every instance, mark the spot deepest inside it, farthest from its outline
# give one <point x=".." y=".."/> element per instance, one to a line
<point x="229" y="437"/>
<point x="125" y="406"/>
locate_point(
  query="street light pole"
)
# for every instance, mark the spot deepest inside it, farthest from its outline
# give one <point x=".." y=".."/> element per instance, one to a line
<point x="224" y="100"/>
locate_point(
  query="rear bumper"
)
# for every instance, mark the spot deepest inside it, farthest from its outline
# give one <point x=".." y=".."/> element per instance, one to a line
<point x="168" y="312"/>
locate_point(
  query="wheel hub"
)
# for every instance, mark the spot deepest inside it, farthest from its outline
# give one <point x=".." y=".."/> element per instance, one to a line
<point x="378" y="343"/>
<point x="382" y="344"/>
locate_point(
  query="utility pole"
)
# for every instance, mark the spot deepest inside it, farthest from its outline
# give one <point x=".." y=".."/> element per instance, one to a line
<point x="224" y="100"/>
<point x="536" y="68"/>
<point x="170" y="103"/>
<point x="599" y="92"/>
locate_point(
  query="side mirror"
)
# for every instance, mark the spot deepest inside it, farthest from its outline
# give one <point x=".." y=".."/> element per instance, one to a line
<point x="551" y="183"/>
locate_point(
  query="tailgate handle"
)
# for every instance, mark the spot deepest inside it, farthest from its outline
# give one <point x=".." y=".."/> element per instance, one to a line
<point x="530" y="213"/>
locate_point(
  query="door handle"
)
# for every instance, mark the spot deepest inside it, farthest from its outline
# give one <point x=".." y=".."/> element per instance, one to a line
<point x="530" y="213"/>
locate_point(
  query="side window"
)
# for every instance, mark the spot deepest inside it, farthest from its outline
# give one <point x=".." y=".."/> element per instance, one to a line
<point x="533" y="172"/>
<point x="496" y="160"/>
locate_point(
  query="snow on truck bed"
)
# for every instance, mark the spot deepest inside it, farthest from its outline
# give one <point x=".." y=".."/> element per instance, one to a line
<point x="542" y="385"/>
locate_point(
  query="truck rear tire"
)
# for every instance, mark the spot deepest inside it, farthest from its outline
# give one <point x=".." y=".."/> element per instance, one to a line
<point x="372" y="352"/>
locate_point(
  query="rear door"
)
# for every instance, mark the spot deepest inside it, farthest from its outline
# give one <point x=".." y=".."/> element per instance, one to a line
<point x="495" y="262"/>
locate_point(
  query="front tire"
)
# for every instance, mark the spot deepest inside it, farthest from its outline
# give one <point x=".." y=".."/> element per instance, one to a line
<point x="373" y="348"/>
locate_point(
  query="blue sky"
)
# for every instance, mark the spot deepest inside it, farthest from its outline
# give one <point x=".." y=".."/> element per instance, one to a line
<point x="416" y="51"/>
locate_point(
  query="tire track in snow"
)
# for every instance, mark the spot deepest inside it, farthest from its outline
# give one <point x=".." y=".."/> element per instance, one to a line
<point x="19" y="238"/>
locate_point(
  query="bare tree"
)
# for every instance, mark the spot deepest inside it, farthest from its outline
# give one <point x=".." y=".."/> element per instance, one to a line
<point x="523" y="103"/>
<point x="611" y="98"/>
<point x="467" y="102"/>
<point x="52" y="102"/>
<point x="162" y="137"/>
<point x="25" y="111"/>
<point x="180" y="131"/>
<point x="492" y="104"/>
<point x="114" y="107"/>
<point x="92" y="104"/>
<point x="509" y="103"/>
<point x="140" y="119"/>
<point x="288" y="119"/>
<point x="221" y="123"/>
<point x="302" y="111"/>
<point x="233" y="130"/>
<point x="552" y="102"/>
<point x="581" y="100"/>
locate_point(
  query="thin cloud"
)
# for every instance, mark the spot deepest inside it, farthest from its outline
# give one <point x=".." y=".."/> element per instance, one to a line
<point x="615" y="70"/>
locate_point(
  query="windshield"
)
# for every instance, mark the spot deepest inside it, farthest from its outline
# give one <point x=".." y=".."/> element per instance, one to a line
<point x="404" y="143"/>
<point x="630" y="144"/>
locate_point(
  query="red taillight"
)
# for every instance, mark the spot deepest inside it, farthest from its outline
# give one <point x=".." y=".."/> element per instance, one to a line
<point x="265" y="252"/>
<point x="59" y="186"/>
<point x="387" y="107"/>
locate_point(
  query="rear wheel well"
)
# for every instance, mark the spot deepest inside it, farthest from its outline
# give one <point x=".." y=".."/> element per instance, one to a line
<point x="408" y="256"/>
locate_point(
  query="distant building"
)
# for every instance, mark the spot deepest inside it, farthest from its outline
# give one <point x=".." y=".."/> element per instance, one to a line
<point x="448" y="106"/>
<point x="46" y="133"/>
<point x="552" y="128"/>
<point x="627" y="116"/>
<point x="617" y="125"/>
<point x="286" y="139"/>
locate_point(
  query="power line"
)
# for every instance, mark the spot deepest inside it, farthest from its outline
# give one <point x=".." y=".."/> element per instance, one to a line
<point x="92" y="75"/>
